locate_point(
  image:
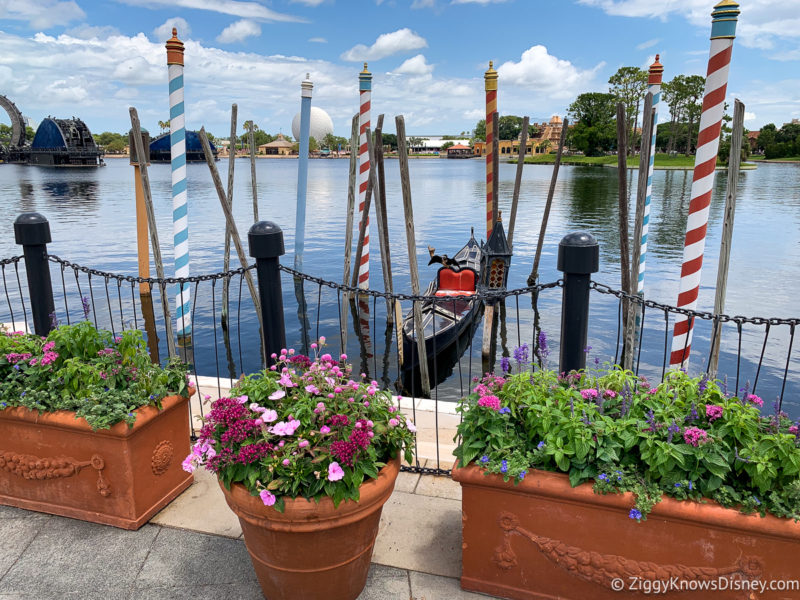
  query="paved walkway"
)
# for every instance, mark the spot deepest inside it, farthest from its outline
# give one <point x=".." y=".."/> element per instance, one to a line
<point x="193" y="548"/>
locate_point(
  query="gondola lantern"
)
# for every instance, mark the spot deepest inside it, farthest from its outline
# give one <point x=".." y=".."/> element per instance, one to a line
<point x="496" y="259"/>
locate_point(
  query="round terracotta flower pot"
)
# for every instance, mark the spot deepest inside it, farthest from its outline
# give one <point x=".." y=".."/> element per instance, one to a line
<point x="313" y="550"/>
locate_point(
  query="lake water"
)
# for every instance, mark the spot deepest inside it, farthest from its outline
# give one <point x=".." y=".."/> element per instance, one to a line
<point x="92" y="220"/>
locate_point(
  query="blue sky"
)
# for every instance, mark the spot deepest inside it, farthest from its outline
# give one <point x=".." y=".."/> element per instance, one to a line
<point x="95" y="58"/>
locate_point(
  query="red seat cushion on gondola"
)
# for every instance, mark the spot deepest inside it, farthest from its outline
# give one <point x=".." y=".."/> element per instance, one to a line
<point x="456" y="283"/>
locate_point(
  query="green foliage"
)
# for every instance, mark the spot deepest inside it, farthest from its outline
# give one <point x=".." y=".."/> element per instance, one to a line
<point x="629" y="85"/>
<point x="100" y="377"/>
<point x="612" y="428"/>
<point x="305" y="429"/>
<point x="594" y="116"/>
<point x="780" y="143"/>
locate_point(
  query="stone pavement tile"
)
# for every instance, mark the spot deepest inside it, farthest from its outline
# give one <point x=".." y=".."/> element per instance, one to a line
<point x="69" y="555"/>
<point x="420" y="533"/>
<point x="386" y="583"/>
<point x="439" y="486"/>
<point x="232" y="591"/>
<point x="16" y="535"/>
<point x="187" y="559"/>
<point x="202" y="508"/>
<point x="11" y="512"/>
<point x="406" y="482"/>
<point x="432" y="587"/>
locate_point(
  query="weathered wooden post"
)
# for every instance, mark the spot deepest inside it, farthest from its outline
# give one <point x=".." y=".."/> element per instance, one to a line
<point x="226" y="258"/>
<point x="141" y="214"/>
<point x="734" y="161"/>
<point x="408" y="208"/>
<point x="523" y="146"/>
<point x="302" y="172"/>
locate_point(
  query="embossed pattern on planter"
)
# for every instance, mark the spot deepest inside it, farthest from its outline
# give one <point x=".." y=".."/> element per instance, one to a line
<point x="603" y="569"/>
<point x="162" y="457"/>
<point x="32" y="467"/>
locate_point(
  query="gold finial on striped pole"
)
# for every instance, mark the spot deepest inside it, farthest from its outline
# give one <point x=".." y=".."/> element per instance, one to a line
<point x="174" y="49"/>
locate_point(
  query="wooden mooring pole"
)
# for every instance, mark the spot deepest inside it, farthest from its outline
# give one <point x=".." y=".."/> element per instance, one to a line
<point x="624" y="242"/>
<point x="375" y="149"/>
<point x="633" y="318"/>
<point x="523" y="147"/>
<point x="408" y="209"/>
<point x="348" y="233"/>
<point x="734" y="161"/>
<point x="548" y="205"/>
<point x="251" y="140"/>
<point x="226" y="259"/>
<point x="141" y="159"/>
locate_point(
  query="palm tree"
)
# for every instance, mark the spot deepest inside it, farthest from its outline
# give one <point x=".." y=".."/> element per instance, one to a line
<point x="163" y="125"/>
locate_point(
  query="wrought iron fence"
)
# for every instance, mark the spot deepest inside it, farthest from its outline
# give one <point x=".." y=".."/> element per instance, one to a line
<point x="367" y="325"/>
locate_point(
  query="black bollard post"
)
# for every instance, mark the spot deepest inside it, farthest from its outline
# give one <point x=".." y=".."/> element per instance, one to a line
<point x="578" y="258"/>
<point x="32" y="232"/>
<point x="265" y="239"/>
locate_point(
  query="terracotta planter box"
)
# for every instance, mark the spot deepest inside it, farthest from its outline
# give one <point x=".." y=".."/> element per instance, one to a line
<point x="54" y="463"/>
<point x="545" y="539"/>
<point x="312" y="550"/>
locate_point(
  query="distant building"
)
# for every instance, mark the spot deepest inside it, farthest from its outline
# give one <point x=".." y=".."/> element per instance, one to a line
<point x="543" y="142"/>
<point x="160" y="150"/>
<point x="752" y="139"/>
<point x="431" y="143"/>
<point x="64" y="142"/>
<point x="278" y="147"/>
<point x="459" y="151"/>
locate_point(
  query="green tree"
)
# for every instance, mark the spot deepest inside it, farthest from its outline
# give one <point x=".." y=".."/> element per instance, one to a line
<point x="767" y="136"/>
<point x="447" y="144"/>
<point x="163" y="126"/>
<point x="116" y="146"/>
<point x="594" y="115"/>
<point x="389" y="139"/>
<point x="629" y="85"/>
<point x="480" y="131"/>
<point x="694" y="86"/>
<point x="5" y="132"/>
<point x="330" y="142"/>
<point x="414" y="141"/>
<point x="29" y="134"/>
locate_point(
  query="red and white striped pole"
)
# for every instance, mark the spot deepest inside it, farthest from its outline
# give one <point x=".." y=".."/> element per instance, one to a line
<point x="723" y="32"/>
<point x="490" y="86"/>
<point x="365" y="97"/>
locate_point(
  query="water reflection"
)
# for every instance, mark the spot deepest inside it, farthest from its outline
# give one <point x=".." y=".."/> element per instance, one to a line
<point x="81" y="194"/>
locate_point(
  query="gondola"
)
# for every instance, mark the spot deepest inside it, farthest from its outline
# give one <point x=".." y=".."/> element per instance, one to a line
<point x="448" y="316"/>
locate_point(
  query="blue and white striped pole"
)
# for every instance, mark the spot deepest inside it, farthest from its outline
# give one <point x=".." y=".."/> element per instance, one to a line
<point x="302" y="172"/>
<point x="180" y="217"/>
<point x="654" y="87"/>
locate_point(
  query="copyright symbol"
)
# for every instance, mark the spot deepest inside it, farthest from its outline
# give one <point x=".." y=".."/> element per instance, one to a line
<point x="617" y="584"/>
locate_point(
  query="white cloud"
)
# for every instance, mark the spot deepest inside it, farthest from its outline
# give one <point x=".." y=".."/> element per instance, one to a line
<point x="236" y="8"/>
<point x="749" y="116"/>
<point x="760" y="24"/>
<point x="416" y="65"/>
<point x="542" y="72"/>
<point x="476" y="114"/>
<point x="648" y="44"/>
<point x="318" y="40"/>
<point x="786" y="56"/>
<point x="88" y="32"/>
<point x="238" y="31"/>
<point x="309" y="2"/>
<point x="423" y="4"/>
<point x="164" y="31"/>
<point x="43" y="14"/>
<point x="402" y="40"/>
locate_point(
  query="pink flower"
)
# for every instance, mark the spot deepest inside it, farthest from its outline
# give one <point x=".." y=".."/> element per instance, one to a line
<point x="755" y="400"/>
<point x="652" y="390"/>
<point x="284" y="428"/>
<point x="277" y="395"/>
<point x="610" y="394"/>
<point x="589" y="393"/>
<point x="793" y="429"/>
<point x="694" y="436"/>
<point x="188" y="463"/>
<point x="343" y="357"/>
<point x="303" y="443"/>
<point x="713" y="412"/>
<point x="335" y="472"/>
<point x="393" y="422"/>
<point x="286" y="379"/>
<point x="241" y="399"/>
<point x="492" y="402"/>
<point x="312" y="389"/>
<point x="267" y="497"/>
<point x="286" y="462"/>
<point x="324" y="429"/>
<point x="268" y="416"/>
<point x="411" y="427"/>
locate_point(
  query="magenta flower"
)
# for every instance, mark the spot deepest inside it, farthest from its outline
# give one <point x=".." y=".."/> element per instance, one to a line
<point x="393" y="422"/>
<point x="492" y="402"/>
<point x="694" y="436"/>
<point x="652" y="391"/>
<point x="189" y="464"/>
<point x="752" y="398"/>
<point x="335" y="472"/>
<point x="267" y="497"/>
<point x="324" y="429"/>
<point x="589" y="393"/>
<point x="713" y="412"/>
